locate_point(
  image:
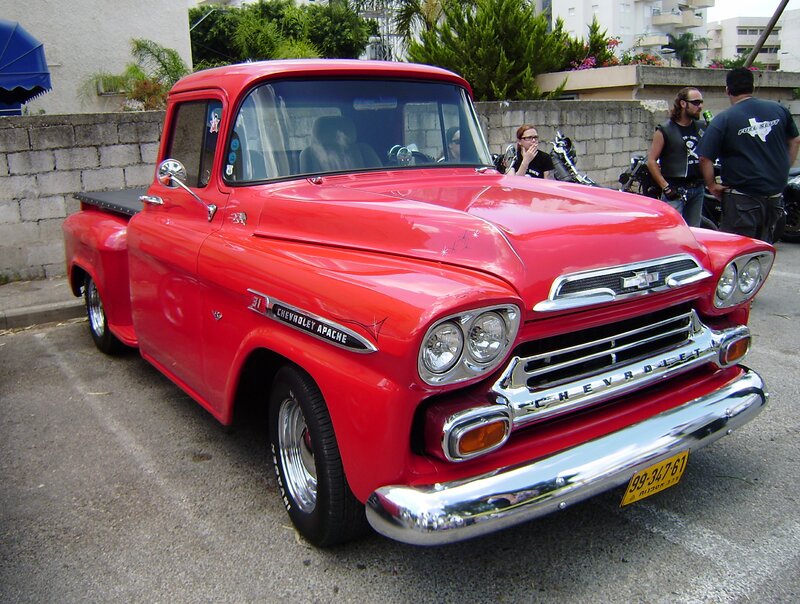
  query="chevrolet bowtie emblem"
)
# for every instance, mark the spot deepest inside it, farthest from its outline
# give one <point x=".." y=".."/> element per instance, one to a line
<point x="639" y="280"/>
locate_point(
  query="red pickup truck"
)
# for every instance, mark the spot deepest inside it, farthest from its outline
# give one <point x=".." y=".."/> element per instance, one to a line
<point x="441" y="350"/>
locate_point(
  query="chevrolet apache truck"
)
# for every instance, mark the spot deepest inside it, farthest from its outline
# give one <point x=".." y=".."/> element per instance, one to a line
<point x="441" y="351"/>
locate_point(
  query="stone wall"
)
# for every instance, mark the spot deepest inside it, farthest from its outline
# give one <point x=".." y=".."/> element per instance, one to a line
<point x="604" y="133"/>
<point x="44" y="160"/>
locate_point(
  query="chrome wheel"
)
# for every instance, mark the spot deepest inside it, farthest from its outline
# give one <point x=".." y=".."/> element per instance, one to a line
<point x="105" y="341"/>
<point x="94" y="309"/>
<point x="297" y="456"/>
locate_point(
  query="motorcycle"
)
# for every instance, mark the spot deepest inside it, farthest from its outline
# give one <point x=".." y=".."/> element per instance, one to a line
<point x="791" y="208"/>
<point x="564" y="161"/>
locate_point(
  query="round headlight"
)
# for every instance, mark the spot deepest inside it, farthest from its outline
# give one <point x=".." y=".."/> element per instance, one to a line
<point x="486" y="337"/>
<point x="443" y="347"/>
<point x="750" y="276"/>
<point x="727" y="283"/>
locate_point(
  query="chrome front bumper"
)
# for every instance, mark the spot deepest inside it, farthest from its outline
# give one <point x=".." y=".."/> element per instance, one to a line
<point x="458" y="510"/>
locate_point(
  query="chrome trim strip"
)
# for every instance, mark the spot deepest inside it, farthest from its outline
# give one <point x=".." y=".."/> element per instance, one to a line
<point x="309" y="323"/>
<point x="687" y="277"/>
<point x="453" y="511"/>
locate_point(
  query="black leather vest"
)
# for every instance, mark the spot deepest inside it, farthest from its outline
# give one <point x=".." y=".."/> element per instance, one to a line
<point x="673" y="157"/>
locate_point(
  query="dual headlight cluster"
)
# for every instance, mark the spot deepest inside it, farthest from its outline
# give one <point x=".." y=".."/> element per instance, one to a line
<point x="741" y="279"/>
<point x="467" y="345"/>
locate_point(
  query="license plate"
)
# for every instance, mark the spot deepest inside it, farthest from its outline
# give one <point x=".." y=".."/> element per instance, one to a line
<point x="656" y="478"/>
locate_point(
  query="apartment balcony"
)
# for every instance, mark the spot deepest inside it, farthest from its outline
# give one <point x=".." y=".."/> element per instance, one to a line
<point x="653" y="40"/>
<point x="667" y="19"/>
<point x="689" y="19"/>
<point x="696" y="4"/>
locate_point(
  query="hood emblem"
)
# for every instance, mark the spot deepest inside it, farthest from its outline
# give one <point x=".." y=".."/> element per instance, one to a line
<point x="639" y="280"/>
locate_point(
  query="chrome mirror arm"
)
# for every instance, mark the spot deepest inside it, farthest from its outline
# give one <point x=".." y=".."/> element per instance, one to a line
<point x="171" y="173"/>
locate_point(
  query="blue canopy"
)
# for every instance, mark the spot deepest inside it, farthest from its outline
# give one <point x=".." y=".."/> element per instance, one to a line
<point x="23" y="68"/>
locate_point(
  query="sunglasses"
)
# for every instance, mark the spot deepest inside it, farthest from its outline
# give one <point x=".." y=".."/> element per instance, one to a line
<point x="695" y="102"/>
<point x="529" y="138"/>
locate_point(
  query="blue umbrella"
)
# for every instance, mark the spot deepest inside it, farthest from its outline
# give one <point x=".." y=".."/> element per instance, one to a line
<point x="23" y="67"/>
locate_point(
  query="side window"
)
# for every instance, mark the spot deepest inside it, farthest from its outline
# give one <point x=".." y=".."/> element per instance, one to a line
<point x="194" y="138"/>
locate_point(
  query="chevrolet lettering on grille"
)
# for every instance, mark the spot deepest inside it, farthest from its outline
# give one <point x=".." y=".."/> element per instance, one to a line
<point x="639" y="280"/>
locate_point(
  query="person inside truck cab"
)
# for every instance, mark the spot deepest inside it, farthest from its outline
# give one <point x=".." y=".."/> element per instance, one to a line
<point x="334" y="147"/>
<point x="452" y="152"/>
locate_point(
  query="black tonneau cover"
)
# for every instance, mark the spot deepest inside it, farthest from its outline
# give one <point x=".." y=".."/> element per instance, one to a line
<point x="123" y="201"/>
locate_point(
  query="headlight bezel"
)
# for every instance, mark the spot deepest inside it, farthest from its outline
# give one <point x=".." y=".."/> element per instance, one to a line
<point x="469" y="365"/>
<point x="728" y="294"/>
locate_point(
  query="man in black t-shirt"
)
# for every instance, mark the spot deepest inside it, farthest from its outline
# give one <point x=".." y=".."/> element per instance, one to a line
<point x="756" y="141"/>
<point x="673" y="162"/>
<point x="529" y="161"/>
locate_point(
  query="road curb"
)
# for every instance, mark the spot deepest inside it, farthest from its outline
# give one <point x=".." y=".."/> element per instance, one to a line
<point x="42" y="313"/>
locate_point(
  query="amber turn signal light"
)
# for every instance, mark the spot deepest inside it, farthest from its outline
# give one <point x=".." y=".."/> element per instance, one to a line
<point x="482" y="437"/>
<point x="733" y="351"/>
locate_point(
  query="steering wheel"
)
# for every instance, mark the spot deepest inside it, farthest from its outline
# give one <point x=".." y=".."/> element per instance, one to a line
<point x="400" y="155"/>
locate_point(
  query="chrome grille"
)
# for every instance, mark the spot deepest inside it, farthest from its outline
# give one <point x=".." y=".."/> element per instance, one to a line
<point x="602" y="286"/>
<point x="616" y="280"/>
<point x="551" y="361"/>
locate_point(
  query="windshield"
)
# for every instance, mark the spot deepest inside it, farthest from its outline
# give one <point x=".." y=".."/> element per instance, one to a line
<point x="291" y="128"/>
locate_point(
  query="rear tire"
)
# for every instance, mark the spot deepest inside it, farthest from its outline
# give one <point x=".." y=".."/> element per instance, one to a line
<point x="105" y="341"/>
<point x="307" y="463"/>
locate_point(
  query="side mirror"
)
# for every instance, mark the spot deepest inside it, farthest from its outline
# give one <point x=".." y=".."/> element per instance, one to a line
<point x="171" y="172"/>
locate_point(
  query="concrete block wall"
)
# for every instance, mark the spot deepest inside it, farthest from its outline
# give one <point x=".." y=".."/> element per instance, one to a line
<point x="604" y="133"/>
<point x="44" y="160"/>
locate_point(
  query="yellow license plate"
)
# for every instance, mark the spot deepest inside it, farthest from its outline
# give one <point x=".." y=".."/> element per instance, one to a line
<point x="656" y="478"/>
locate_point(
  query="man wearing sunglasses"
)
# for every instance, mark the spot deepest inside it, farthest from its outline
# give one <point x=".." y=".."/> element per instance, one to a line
<point x="756" y="142"/>
<point x="672" y="159"/>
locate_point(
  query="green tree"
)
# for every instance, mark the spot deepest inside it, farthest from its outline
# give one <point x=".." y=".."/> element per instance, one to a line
<point x="596" y="51"/>
<point x="499" y="46"/>
<point x="212" y="33"/>
<point x="337" y="31"/>
<point x="275" y="29"/>
<point x="417" y="15"/>
<point x="738" y="61"/>
<point x="687" y="48"/>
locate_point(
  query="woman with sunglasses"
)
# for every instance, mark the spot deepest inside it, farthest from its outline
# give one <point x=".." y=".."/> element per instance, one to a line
<point x="528" y="160"/>
<point x="673" y="161"/>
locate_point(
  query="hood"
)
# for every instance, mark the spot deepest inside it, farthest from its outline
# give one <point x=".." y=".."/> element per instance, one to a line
<point x="525" y="231"/>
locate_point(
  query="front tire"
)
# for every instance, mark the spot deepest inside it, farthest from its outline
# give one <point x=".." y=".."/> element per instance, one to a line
<point x="307" y="463"/>
<point x="105" y="341"/>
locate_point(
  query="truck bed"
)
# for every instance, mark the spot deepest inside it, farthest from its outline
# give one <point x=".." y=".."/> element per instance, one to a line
<point x="122" y="201"/>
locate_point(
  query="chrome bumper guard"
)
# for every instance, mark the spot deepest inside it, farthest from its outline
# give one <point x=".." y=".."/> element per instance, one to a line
<point x="454" y="511"/>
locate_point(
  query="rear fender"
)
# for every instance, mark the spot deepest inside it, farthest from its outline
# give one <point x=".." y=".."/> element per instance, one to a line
<point x="96" y="245"/>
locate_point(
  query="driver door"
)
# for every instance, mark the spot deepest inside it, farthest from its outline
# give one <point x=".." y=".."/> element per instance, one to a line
<point x="165" y="240"/>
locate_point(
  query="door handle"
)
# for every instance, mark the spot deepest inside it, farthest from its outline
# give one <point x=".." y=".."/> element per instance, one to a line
<point x="152" y="200"/>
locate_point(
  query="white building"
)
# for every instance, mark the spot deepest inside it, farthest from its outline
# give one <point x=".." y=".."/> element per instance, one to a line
<point x="641" y="25"/>
<point x="86" y="37"/>
<point x="738" y="36"/>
